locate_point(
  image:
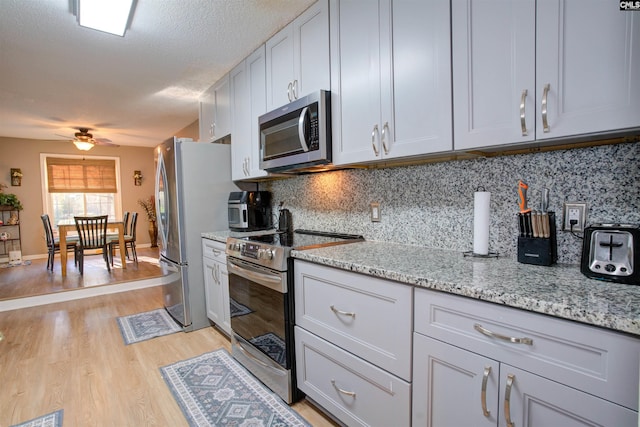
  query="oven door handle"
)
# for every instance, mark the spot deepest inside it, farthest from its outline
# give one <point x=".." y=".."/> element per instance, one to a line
<point x="255" y="359"/>
<point x="271" y="281"/>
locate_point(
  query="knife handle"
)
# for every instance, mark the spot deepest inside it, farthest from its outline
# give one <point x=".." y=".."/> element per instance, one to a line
<point x="522" y="193"/>
<point x="535" y="224"/>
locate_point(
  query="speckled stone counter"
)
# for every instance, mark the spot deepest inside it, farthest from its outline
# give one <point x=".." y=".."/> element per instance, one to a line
<point x="560" y="291"/>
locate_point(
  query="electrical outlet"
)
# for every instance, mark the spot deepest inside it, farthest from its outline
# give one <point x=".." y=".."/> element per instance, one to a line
<point x="375" y="211"/>
<point x="575" y="217"/>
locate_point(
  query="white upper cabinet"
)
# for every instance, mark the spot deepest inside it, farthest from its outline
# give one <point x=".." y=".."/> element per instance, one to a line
<point x="248" y="93"/>
<point x="391" y="75"/>
<point x="215" y="119"/>
<point x="297" y="57"/>
<point x="526" y="70"/>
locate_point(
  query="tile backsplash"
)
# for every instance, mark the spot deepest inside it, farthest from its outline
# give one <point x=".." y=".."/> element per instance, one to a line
<point x="432" y="204"/>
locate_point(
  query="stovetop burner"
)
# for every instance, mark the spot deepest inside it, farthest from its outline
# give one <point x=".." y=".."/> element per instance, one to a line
<point x="272" y="250"/>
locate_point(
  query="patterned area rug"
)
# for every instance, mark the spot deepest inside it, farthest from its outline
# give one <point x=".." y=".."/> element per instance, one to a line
<point x="53" y="419"/>
<point x="238" y="309"/>
<point x="272" y="345"/>
<point x="214" y="390"/>
<point x="144" y="326"/>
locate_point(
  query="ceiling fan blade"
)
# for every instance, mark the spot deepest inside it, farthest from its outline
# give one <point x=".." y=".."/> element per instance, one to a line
<point x="104" y="142"/>
<point x="64" y="136"/>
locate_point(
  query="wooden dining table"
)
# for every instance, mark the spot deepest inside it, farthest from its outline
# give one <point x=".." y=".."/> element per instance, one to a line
<point x="65" y="227"/>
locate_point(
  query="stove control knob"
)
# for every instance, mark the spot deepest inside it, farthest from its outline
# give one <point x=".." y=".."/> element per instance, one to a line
<point x="610" y="268"/>
<point x="265" y="254"/>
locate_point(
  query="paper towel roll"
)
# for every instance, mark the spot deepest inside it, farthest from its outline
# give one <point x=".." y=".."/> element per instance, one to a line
<point x="481" y="222"/>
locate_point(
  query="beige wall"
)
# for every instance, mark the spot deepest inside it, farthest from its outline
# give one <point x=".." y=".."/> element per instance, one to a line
<point x="25" y="154"/>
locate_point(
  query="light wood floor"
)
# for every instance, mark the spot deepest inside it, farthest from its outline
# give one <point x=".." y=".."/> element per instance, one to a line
<point x="35" y="279"/>
<point x="71" y="356"/>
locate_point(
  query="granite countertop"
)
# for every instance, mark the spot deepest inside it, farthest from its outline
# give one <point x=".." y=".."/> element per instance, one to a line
<point x="560" y="290"/>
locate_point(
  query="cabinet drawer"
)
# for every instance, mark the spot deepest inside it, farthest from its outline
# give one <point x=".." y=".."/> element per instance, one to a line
<point x="594" y="360"/>
<point x="214" y="250"/>
<point x="367" y="316"/>
<point x="329" y="376"/>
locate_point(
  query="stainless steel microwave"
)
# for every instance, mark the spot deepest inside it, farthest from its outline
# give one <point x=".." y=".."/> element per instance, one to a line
<point x="297" y="136"/>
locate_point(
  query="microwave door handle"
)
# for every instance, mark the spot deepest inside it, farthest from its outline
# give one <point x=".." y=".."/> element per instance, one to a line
<point x="301" y="121"/>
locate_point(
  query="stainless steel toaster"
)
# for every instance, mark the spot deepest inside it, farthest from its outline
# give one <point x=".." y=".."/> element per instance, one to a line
<point x="612" y="252"/>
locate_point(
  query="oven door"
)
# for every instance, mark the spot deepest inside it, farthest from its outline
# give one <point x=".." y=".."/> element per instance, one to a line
<point x="259" y="307"/>
<point x="262" y="335"/>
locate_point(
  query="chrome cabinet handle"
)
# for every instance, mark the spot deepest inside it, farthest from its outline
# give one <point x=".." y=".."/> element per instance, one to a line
<point x="523" y="122"/>
<point x="545" y="121"/>
<point x="289" y="87"/>
<point x="344" y="313"/>
<point x="384" y="137"/>
<point x="491" y="334"/>
<point x="348" y="393"/>
<point x="507" y="400"/>
<point x="483" y="392"/>
<point x="373" y="140"/>
<point x="295" y="89"/>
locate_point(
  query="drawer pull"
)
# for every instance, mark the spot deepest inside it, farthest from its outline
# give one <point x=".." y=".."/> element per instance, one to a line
<point x="373" y="140"/>
<point x="523" y="122"/>
<point x="483" y="392"/>
<point x="515" y="340"/>
<point x="345" y="313"/>
<point x="545" y="95"/>
<point x="507" y="400"/>
<point x="348" y="393"/>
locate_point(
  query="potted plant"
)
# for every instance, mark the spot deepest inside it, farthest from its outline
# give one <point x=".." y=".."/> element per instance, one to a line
<point x="10" y="200"/>
<point x="149" y="206"/>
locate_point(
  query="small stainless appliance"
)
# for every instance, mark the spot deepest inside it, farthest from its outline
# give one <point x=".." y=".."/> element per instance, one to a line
<point x="297" y="136"/>
<point x="249" y="210"/>
<point x="612" y="252"/>
<point x="261" y="302"/>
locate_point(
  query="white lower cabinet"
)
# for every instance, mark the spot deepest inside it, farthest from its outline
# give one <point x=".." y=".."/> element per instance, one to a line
<point x="566" y="375"/>
<point x="216" y="283"/>
<point x="353" y="344"/>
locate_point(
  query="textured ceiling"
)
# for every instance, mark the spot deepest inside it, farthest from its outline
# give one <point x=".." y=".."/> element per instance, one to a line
<point x="138" y="90"/>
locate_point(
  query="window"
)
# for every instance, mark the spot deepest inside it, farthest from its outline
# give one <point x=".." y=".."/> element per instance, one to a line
<point x="80" y="185"/>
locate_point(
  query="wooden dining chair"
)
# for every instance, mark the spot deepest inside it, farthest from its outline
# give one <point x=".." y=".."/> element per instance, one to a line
<point x="129" y="240"/>
<point x="53" y="243"/>
<point x="92" y="234"/>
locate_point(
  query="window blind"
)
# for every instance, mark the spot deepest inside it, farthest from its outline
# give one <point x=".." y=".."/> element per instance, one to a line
<point x="81" y="175"/>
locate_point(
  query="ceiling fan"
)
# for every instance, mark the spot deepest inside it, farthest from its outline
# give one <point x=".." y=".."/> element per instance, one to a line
<point x="85" y="141"/>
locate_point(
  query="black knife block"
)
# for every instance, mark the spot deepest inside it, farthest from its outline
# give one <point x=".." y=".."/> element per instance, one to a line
<point x="538" y="250"/>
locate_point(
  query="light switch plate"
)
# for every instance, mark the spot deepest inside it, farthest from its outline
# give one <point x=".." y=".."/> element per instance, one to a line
<point x="375" y="211"/>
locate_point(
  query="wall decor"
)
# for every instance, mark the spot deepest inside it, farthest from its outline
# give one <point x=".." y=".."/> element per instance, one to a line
<point x="16" y="177"/>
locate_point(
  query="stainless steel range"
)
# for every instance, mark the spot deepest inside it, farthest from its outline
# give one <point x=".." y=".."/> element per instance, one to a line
<point x="261" y="299"/>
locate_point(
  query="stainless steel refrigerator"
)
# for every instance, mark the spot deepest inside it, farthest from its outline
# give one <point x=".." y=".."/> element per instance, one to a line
<point x="193" y="181"/>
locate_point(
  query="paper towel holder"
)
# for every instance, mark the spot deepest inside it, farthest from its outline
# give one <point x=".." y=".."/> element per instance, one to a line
<point x="471" y="253"/>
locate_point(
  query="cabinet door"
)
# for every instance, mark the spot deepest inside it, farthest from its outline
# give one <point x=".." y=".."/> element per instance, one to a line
<point x="206" y="117"/>
<point x="448" y="386"/>
<point x="280" y="73"/>
<point x="225" y="325"/>
<point x="240" y="125"/>
<point x="212" y="290"/>
<point x="311" y="50"/>
<point x="257" y="93"/>
<point x="416" y="109"/>
<point x="588" y="52"/>
<point x="355" y="76"/>
<point x="222" y="119"/>
<point x="493" y="48"/>
<point x="535" y="401"/>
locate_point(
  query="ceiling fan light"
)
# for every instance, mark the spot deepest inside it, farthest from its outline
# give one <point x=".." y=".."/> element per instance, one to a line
<point x="109" y="16"/>
<point x="83" y="145"/>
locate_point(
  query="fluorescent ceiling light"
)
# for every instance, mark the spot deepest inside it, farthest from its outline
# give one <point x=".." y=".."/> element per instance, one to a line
<point x="110" y="16"/>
